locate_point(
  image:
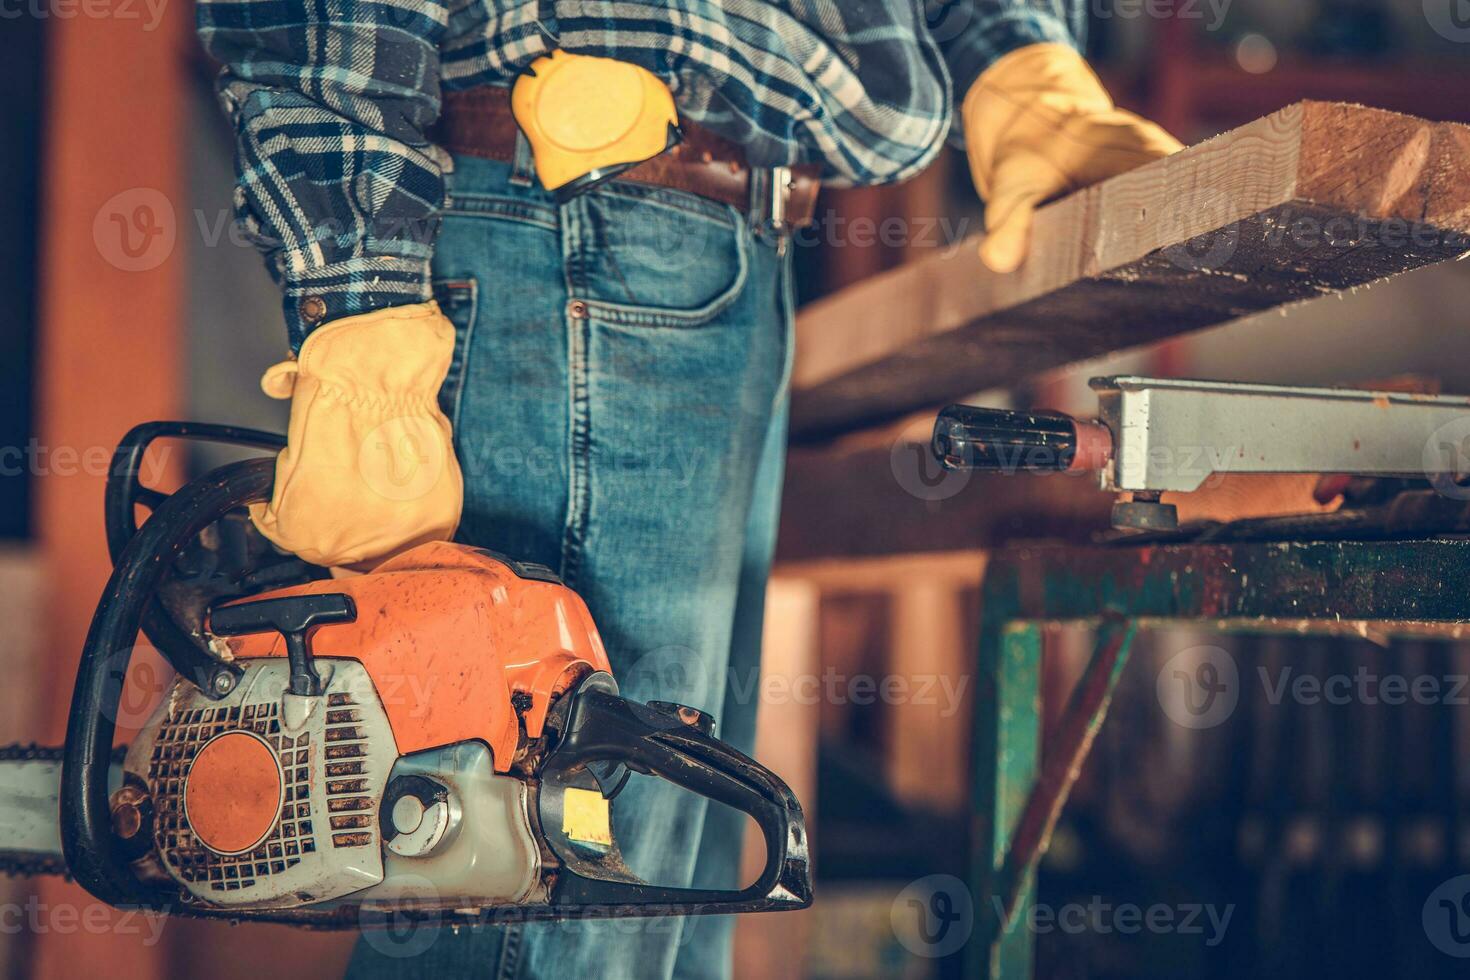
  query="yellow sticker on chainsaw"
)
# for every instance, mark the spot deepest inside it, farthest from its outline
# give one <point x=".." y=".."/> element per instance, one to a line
<point x="585" y="817"/>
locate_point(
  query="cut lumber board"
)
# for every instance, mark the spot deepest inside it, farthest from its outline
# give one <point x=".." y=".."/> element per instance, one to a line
<point x="1315" y="198"/>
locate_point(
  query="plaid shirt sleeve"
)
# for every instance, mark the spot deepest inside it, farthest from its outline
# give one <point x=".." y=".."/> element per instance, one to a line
<point x="973" y="34"/>
<point x="337" y="184"/>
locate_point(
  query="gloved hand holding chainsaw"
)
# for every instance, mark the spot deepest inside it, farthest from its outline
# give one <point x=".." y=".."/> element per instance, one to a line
<point x="370" y="468"/>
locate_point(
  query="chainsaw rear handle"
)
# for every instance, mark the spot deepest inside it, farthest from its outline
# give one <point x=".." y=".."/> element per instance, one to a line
<point x="995" y="440"/>
<point x="92" y="855"/>
<point x="601" y="726"/>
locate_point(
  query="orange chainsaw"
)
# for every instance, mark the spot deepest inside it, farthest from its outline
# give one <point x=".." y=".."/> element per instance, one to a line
<point x="287" y="777"/>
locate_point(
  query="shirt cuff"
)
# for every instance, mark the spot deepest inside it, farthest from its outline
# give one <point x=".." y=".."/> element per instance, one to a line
<point x="331" y="292"/>
<point x="991" y="38"/>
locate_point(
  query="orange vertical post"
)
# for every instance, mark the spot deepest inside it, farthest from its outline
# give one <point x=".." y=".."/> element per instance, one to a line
<point x="111" y="300"/>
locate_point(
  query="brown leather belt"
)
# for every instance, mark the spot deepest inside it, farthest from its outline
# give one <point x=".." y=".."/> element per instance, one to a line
<point x="478" y="123"/>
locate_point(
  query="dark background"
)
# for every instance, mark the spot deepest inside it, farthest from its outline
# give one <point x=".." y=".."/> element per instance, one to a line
<point x="21" y="51"/>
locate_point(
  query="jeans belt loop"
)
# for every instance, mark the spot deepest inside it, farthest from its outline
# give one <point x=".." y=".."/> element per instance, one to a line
<point x="770" y="189"/>
<point x="523" y="166"/>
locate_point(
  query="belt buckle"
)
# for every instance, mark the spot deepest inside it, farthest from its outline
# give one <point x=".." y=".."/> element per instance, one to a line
<point x="770" y="188"/>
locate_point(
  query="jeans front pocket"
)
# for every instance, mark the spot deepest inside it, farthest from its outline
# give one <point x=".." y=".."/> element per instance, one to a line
<point x="651" y="257"/>
<point x="458" y="299"/>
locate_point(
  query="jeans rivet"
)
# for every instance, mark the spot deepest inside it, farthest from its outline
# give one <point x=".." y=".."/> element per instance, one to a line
<point x="577" y="309"/>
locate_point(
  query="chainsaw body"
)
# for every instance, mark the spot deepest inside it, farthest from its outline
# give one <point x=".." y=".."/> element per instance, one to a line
<point x="441" y="737"/>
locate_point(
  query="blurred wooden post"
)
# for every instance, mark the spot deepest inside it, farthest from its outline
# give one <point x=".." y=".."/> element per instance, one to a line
<point x="932" y="656"/>
<point x="928" y="675"/>
<point x="773" y="946"/>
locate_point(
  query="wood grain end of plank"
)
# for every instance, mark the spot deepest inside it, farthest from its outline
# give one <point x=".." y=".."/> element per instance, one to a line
<point x="1386" y="165"/>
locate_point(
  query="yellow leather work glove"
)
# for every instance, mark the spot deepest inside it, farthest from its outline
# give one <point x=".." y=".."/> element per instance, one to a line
<point x="1038" y="124"/>
<point x="369" y="467"/>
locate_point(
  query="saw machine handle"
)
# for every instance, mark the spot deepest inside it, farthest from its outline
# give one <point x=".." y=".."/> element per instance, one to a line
<point x="996" y="440"/>
<point x="658" y="739"/>
<point x="91" y="852"/>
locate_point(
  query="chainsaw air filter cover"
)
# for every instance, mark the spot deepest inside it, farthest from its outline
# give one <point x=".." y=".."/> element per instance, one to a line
<point x="264" y="799"/>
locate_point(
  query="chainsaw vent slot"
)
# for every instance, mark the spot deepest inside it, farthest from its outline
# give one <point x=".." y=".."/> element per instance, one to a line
<point x="347" y="753"/>
<point x="179" y="740"/>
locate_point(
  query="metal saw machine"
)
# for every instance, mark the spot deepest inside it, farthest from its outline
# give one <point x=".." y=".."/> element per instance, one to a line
<point x="1402" y="458"/>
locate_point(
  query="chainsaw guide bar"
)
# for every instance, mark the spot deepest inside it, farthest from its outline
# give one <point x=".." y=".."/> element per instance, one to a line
<point x="29" y="863"/>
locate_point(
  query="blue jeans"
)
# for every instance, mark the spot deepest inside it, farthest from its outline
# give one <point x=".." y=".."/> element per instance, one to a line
<point x="618" y="396"/>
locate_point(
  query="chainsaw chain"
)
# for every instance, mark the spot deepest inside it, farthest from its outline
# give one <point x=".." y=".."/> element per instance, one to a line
<point x="29" y="752"/>
<point x="14" y="866"/>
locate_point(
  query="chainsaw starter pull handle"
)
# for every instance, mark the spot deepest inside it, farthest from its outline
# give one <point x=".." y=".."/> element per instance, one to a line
<point x="294" y="617"/>
<point x="995" y="440"/>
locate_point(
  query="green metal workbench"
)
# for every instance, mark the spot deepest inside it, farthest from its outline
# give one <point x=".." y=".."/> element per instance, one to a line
<point x="1384" y="587"/>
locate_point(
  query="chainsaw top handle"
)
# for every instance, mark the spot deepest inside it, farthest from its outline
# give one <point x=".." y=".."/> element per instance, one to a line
<point x="129" y="603"/>
<point x="184" y="652"/>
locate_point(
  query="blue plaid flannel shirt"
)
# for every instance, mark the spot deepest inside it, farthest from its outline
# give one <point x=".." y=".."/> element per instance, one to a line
<point x="331" y="100"/>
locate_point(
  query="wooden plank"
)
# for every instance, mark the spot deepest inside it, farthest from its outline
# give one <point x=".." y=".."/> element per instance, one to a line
<point x="954" y="571"/>
<point x="1315" y="198"/>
